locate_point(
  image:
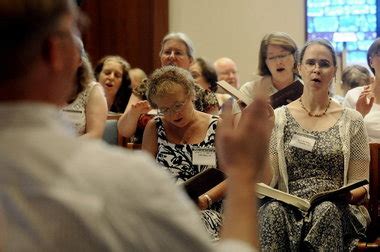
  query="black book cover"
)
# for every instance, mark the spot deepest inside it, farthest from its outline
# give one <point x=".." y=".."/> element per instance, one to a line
<point x="287" y="95"/>
<point x="202" y="182"/>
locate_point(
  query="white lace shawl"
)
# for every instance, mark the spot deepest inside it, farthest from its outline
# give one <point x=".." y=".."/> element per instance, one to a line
<point x="355" y="148"/>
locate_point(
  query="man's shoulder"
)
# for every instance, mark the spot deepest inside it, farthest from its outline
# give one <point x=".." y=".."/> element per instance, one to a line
<point x="99" y="157"/>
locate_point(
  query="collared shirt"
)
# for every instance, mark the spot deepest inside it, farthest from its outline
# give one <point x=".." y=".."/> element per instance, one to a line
<point x="61" y="193"/>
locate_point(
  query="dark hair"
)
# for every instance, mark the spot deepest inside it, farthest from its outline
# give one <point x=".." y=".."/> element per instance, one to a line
<point x="319" y="41"/>
<point x="375" y="47"/>
<point x="125" y="91"/>
<point x="355" y="76"/>
<point x="208" y="72"/>
<point x="281" y="39"/>
<point x="24" y="26"/>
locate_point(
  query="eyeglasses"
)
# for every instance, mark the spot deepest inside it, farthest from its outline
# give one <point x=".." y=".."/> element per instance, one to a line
<point x="178" y="106"/>
<point x="176" y="53"/>
<point x="278" y="57"/>
<point x="310" y="64"/>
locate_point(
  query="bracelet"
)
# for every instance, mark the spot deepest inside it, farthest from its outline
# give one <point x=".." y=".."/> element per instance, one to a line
<point x="209" y="200"/>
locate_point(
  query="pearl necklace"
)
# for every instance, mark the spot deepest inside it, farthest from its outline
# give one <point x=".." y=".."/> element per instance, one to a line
<point x="315" y="115"/>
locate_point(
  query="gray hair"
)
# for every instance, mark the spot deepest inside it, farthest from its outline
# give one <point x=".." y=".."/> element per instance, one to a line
<point x="355" y="76"/>
<point x="180" y="37"/>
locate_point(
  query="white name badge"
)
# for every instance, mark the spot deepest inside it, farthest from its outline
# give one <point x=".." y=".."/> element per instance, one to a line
<point x="204" y="156"/>
<point x="303" y="141"/>
<point x="72" y="116"/>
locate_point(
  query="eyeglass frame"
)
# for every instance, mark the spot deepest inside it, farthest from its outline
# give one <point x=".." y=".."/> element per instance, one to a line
<point x="178" y="106"/>
<point x="278" y="57"/>
<point x="177" y="53"/>
<point x="311" y="64"/>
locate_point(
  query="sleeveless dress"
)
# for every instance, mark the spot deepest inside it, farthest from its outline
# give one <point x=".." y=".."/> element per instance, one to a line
<point x="177" y="159"/>
<point x="286" y="228"/>
<point x="75" y="112"/>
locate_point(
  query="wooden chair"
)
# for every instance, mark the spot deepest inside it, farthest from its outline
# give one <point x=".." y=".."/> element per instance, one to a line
<point x="373" y="206"/>
<point x="374" y="191"/>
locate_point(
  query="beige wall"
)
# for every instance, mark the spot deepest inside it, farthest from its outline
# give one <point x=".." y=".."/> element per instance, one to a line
<point x="234" y="28"/>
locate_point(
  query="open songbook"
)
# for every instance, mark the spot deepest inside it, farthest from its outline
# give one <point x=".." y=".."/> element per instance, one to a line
<point x="281" y="97"/>
<point x="304" y="204"/>
<point x="234" y="92"/>
<point x="287" y="94"/>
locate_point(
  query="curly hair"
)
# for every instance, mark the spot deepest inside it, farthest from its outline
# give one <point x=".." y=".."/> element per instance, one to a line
<point x="125" y="91"/>
<point x="163" y="79"/>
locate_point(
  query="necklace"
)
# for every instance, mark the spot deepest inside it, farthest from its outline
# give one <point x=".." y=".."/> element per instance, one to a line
<point x="315" y="115"/>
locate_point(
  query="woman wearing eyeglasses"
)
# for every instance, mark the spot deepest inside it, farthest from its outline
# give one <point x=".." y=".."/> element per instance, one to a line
<point x="181" y="138"/>
<point x="277" y="66"/>
<point x="317" y="145"/>
<point x="176" y="50"/>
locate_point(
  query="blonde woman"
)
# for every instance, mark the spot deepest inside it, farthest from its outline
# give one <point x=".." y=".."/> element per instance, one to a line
<point x="180" y="135"/>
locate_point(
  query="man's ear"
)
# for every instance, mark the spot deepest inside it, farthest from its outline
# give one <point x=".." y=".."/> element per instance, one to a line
<point x="53" y="53"/>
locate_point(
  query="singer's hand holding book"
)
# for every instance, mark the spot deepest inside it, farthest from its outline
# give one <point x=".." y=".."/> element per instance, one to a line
<point x="304" y="204"/>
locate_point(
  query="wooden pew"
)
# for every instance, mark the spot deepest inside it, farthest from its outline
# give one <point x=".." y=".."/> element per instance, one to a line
<point x="373" y="206"/>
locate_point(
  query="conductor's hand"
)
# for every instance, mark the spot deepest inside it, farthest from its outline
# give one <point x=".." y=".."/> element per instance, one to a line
<point x="243" y="150"/>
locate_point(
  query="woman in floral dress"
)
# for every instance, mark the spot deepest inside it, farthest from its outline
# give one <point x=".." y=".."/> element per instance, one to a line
<point x="181" y="138"/>
<point x="316" y="146"/>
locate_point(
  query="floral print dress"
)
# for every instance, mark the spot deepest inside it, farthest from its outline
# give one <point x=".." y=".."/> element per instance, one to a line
<point x="177" y="159"/>
<point x="329" y="226"/>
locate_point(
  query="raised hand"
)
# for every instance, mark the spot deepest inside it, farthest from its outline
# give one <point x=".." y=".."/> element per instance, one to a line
<point x="365" y="101"/>
<point x="243" y="150"/>
<point x="141" y="107"/>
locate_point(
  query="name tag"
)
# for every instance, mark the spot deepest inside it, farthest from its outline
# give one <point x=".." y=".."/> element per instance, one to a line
<point x="204" y="156"/>
<point x="72" y="116"/>
<point x="303" y="141"/>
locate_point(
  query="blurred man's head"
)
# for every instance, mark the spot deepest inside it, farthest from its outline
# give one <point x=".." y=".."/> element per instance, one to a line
<point x="39" y="50"/>
<point x="226" y="70"/>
